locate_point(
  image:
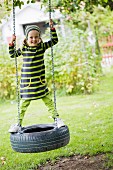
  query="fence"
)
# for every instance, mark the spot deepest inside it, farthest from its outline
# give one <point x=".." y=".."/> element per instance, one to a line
<point x="107" y="51"/>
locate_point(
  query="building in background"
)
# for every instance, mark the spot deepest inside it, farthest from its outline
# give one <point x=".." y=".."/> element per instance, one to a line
<point x="27" y="15"/>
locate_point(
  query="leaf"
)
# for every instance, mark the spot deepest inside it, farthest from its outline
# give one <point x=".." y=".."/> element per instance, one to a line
<point x="33" y="1"/>
<point x="22" y="3"/>
<point x="28" y="2"/>
<point x="105" y="1"/>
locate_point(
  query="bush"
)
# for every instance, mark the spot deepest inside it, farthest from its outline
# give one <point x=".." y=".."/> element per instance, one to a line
<point x="7" y="79"/>
<point x="77" y="67"/>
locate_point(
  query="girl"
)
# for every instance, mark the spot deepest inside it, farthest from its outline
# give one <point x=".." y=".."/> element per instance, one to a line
<point x="33" y="85"/>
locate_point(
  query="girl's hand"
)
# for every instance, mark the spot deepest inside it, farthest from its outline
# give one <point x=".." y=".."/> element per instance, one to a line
<point x="13" y="38"/>
<point x="51" y="23"/>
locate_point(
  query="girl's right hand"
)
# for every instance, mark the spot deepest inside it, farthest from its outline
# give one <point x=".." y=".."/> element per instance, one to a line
<point x="13" y="38"/>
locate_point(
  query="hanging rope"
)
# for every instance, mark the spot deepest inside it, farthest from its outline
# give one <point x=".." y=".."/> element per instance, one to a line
<point x="53" y="79"/>
<point x="16" y="66"/>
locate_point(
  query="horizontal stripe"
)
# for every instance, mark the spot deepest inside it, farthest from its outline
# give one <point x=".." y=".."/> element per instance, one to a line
<point x="34" y="77"/>
<point x="27" y="48"/>
<point x="34" y="97"/>
<point x="33" y="72"/>
<point x="33" y="69"/>
<point x="34" y="63"/>
<point x="11" y="50"/>
<point x="29" y="82"/>
<point x="31" y="54"/>
<point x="32" y="86"/>
<point x="36" y="66"/>
<point x="32" y="49"/>
<point x="26" y="55"/>
<point x="33" y="90"/>
<point x="34" y="60"/>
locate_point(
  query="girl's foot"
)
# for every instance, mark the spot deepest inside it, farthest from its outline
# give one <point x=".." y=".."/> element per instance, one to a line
<point x="59" y="123"/>
<point x="14" y="128"/>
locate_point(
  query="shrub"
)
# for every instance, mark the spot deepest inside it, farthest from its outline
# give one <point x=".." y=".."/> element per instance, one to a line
<point x="7" y="79"/>
<point x="77" y="67"/>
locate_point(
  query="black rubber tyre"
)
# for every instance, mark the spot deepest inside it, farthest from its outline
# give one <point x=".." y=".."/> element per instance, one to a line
<point x="39" y="138"/>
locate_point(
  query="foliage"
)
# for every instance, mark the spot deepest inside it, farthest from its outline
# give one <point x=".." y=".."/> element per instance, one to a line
<point x="101" y="18"/>
<point x="19" y="3"/>
<point x="7" y="5"/>
<point x="66" y="6"/>
<point x="7" y="79"/>
<point x="69" y="6"/>
<point x="77" y="67"/>
<point x="6" y="82"/>
<point x="4" y="11"/>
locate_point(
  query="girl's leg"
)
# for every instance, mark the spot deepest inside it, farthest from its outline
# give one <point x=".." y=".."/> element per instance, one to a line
<point x="23" y="107"/>
<point x="50" y="104"/>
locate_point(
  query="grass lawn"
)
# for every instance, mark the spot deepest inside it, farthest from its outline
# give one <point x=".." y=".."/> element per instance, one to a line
<point x="89" y="118"/>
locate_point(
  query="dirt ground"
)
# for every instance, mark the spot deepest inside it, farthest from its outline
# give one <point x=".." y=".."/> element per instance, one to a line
<point x="78" y="163"/>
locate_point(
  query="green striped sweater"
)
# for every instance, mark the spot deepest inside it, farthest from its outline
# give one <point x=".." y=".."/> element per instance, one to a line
<point x="33" y="84"/>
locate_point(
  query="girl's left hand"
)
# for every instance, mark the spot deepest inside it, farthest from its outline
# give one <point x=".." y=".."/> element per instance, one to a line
<point x="51" y="23"/>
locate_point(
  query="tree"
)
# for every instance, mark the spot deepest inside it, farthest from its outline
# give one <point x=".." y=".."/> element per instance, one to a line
<point x="67" y="5"/>
<point x="6" y="6"/>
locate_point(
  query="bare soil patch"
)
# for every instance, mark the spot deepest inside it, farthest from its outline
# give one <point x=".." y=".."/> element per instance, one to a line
<point x="78" y="162"/>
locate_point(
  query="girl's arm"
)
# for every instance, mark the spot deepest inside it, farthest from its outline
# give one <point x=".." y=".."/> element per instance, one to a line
<point x="12" y="51"/>
<point x="54" y="38"/>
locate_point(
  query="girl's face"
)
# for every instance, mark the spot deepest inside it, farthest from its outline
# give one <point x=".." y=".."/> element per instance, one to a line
<point x="33" y="38"/>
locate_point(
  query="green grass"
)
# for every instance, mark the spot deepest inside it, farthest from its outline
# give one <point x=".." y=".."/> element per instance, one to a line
<point x="89" y="118"/>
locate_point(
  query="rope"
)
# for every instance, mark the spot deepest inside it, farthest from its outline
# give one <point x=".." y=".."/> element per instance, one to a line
<point x="16" y="66"/>
<point x="52" y="57"/>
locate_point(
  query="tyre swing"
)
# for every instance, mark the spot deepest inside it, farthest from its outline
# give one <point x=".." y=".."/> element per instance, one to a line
<point x="40" y="137"/>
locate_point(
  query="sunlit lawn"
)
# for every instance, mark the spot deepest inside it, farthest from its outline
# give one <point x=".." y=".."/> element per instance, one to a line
<point x="89" y="118"/>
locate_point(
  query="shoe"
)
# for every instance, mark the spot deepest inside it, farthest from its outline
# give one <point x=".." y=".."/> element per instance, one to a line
<point x="59" y="123"/>
<point x="14" y="128"/>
